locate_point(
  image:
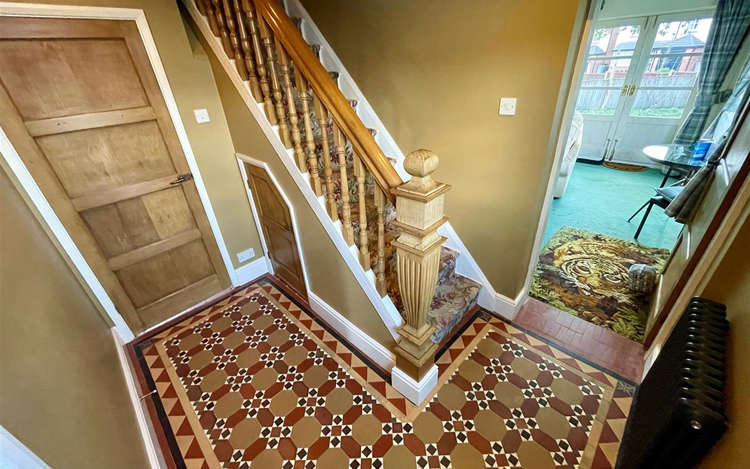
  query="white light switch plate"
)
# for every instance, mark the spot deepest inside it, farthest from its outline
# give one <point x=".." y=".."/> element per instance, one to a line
<point x="245" y="255"/>
<point x="507" y="106"/>
<point x="201" y="116"/>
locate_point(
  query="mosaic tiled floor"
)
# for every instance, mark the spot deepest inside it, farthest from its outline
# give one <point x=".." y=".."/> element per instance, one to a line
<point x="254" y="381"/>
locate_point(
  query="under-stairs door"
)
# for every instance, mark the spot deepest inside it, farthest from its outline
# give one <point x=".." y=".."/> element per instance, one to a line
<point x="276" y="222"/>
<point x="81" y="104"/>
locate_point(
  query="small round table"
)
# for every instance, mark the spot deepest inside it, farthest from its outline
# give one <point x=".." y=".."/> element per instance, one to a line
<point x="673" y="156"/>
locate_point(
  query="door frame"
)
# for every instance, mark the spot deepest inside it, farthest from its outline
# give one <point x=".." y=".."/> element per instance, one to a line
<point x="719" y="241"/>
<point x="241" y="160"/>
<point x="32" y="192"/>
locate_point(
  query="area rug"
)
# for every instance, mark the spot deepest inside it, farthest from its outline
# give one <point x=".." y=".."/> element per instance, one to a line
<point x="586" y="274"/>
<point x="257" y="381"/>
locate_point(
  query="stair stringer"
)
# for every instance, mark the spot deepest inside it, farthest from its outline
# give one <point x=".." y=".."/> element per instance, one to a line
<point x="366" y="279"/>
<point x="465" y="263"/>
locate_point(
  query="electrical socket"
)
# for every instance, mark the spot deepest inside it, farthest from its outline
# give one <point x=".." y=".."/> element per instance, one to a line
<point x="246" y="255"/>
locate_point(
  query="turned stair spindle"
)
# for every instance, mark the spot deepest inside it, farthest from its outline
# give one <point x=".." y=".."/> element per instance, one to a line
<point x="321" y="114"/>
<point x="260" y="65"/>
<point x="339" y="142"/>
<point x="380" y="267"/>
<point x="312" y="159"/>
<point x="211" y="17"/>
<point x="364" y="251"/>
<point x="222" y="25"/>
<point x="239" y="60"/>
<point x="286" y="83"/>
<point x="278" y="97"/>
<point x="247" y="52"/>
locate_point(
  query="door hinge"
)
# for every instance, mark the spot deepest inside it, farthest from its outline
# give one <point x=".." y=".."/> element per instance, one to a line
<point x="182" y="178"/>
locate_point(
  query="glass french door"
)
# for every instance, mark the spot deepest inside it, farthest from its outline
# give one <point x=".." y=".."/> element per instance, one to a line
<point x="663" y="55"/>
<point x="607" y="67"/>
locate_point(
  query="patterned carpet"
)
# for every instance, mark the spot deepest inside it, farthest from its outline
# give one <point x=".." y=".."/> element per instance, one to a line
<point x="586" y="274"/>
<point x="255" y="381"/>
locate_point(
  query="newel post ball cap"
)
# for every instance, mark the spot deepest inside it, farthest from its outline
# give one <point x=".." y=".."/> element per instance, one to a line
<point x="421" y="163"/>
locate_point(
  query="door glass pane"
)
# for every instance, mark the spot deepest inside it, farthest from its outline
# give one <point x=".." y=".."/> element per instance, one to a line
<point x="672" y="70"/>
<point x="598" y="101"/>
<point x="678" y="71"/>
<point x="614" y="41"/>
<point x="607" y="63"/>
<point x="668" y="104"/>
<point x="606" y="72"/>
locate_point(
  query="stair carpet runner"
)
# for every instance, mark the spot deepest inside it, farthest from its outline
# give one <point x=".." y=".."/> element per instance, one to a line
<point x="454" y="294"/>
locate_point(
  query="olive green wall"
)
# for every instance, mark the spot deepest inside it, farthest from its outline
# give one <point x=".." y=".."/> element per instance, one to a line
<point x="434" y="71"/>
<point x="62" y="391"/>
<point x="328" y="274"/>
<point x="731" y="286"/>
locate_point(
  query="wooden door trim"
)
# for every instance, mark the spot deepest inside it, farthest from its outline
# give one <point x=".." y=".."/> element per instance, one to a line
<point x="39" y="203"/>
<point x="244" y="159"/>
<point x="91" y="120"/>
<point x="717" y="231"/>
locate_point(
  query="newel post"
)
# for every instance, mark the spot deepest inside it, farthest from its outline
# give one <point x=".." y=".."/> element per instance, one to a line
<point x="419" y="213"/>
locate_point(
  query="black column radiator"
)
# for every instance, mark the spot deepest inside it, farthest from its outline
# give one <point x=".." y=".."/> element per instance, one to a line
<point x="678" y="411"/>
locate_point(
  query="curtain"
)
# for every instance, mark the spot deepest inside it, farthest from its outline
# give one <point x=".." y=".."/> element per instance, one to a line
<point x="730" y="25"/>
<point x="683" y="206"/>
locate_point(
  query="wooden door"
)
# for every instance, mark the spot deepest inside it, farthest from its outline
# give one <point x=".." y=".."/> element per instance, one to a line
<point x="278" y="231"/>
<point x="80" y="103"/>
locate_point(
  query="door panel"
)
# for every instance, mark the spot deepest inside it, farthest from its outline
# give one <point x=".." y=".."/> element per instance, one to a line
<point x="97" y="159"/>
<point x="607" y="67"/>
<point x="80" y="75"/>
<point x="81" y="104"/>
<point x="276" y="222"/>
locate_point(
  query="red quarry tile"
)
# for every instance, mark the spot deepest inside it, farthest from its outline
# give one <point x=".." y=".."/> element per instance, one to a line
<point x="593" y="343"/>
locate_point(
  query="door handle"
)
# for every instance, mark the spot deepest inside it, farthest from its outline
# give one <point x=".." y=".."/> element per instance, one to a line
<point x="182" y="178"/>
<point x="614" y="146"/>
<point x="624" y="90"/>
<point x="606" y="147"/>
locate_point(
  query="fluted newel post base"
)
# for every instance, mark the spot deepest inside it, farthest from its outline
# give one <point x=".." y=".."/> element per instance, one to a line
<point x="419" y="213"/>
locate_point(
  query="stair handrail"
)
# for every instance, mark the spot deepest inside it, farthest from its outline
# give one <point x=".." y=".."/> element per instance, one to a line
<point x="327" y="91"/>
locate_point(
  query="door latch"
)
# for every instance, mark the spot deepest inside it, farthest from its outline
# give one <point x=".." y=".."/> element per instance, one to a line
<point x="182" y="178"/>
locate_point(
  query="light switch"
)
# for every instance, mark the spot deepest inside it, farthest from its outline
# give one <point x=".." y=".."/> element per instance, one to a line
<point x="246" y="255"/>
<point x="201" y="116"/>
<point x="507" y="106"/>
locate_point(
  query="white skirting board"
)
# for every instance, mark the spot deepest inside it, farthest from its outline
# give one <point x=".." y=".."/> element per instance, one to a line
<point x="149" y="439"/>
<point x="415" y="391"/>
<point x="15" y="455"/>
<point x="252" y="270"/>
<point x="369" y="347"/>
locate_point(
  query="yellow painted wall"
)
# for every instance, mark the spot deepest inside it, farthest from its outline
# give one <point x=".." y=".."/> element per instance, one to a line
<point x="328" y="275"/>
<point x="731" y="286"/>
<point x="62" y="392"/>
<point x="434" y="71"/>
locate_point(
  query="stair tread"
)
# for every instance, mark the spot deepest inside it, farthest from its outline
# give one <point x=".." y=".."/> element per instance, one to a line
<point x="451" y="302"/>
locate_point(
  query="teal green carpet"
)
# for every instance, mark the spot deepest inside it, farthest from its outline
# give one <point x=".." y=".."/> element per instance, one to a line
<point x="601" y="200"/>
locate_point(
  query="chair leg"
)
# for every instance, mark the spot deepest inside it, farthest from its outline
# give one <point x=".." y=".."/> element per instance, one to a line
<point x="643" y="220"/>
<point x="638" y="211"/>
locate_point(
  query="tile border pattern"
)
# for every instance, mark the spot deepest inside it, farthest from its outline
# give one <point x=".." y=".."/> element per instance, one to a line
<point x="189" y="451"/>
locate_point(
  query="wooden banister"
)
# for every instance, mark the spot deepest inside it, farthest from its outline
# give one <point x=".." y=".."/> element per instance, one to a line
<point x="329" y="94"/>
<point x="284" y="73"/>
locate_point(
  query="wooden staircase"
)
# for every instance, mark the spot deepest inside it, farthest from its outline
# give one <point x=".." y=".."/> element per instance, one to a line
<point x="393" y="224"/>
